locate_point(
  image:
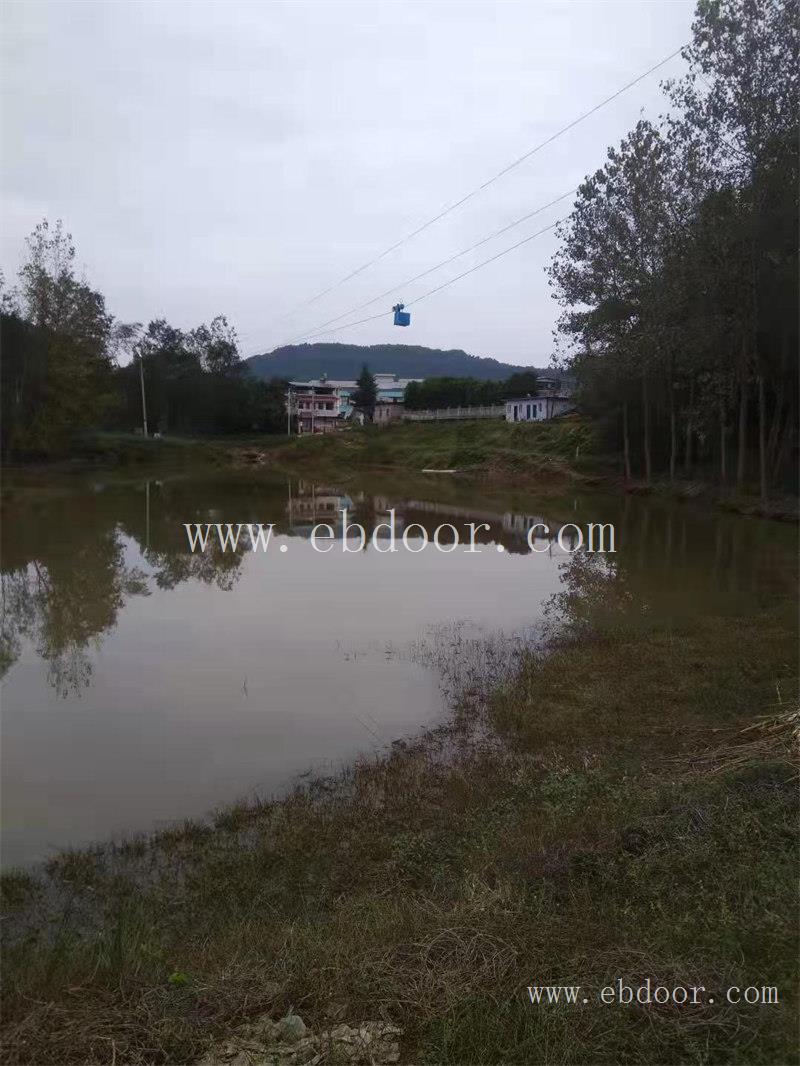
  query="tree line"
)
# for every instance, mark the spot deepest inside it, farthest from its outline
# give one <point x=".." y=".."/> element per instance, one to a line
<point x="437" y="392"/>
<point x="69" y="366"/>
<point x="678" y="272"/>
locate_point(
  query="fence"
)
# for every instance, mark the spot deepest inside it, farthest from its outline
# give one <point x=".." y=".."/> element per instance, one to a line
<point x="444" y="414"/>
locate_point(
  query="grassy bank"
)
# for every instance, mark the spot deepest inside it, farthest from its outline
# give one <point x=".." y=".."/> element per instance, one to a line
<point x="546" y="456"/>
<point x="540" y="454"/>
<point x="614" y="809"/>
<point x="117" y="449"/>
<point x="543" y="456"/>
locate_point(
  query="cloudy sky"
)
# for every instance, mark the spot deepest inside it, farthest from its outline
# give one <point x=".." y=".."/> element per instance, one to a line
<point x="237" y="158"/>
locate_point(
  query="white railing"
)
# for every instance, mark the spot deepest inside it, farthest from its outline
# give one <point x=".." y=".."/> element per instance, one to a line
<point x="497" y="410"/>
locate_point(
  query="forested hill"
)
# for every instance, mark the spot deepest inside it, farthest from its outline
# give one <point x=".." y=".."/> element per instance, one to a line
<point x="344" y="361"/>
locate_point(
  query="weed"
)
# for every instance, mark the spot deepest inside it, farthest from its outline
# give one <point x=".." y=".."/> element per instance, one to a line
<point x="610" y="809"/>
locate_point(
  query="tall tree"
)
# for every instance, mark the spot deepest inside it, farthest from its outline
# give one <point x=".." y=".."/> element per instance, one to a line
<point x="366" y="394"/>
<point x="678" y="269"/>
<point x="614" y="245"/>
<point x="59" y="362"/>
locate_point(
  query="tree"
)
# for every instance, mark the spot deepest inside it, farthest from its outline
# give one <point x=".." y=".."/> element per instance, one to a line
<point x="524" y="383"/>
<point x="57" y="366"/>
<point x="740" y="106"/>
<point x="68" y="366"/>
<point x="613" y="250"/>
<point x="678" y="270"/>
<point x="365" y="395"/>
<point x="230" y="397"/>
<point x="217" y="348"/>
<point x="268" y="400"/>
<point x="173" y="376"/>
<point x="436" y="392"/>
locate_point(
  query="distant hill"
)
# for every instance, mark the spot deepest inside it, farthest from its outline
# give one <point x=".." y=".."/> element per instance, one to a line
<point x="304" y="361"/>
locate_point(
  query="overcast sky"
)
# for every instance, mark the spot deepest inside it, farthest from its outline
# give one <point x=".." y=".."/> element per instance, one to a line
<point x="236" y="158"/>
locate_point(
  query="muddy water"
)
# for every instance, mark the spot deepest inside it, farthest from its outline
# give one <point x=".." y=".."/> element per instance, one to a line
<point x="144" y="683"/>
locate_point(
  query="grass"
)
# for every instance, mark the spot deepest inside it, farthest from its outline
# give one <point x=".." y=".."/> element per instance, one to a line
<point x="606" y="810"/>
<point x="131" y="449"/>
<point x="98" y="448"/>
<point x="781" y="506"/>
<point x="543" y="452"/>
<point x="550" y="455"/>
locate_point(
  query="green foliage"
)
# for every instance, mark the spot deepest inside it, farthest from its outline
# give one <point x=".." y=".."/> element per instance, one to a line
<point x="437" y="392"/>
<point x="523" y="383"/>
<point x="68" y="367"/>
<point x="365" y="394"/>
<point x="56" y="334"/>
<point x="451" y="392"/>
<point x="195" y="383"/>
<point x="678" y="269"/>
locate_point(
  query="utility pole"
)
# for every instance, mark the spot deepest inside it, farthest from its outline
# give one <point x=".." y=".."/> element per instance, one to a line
<point x="144" y="401"/>
<point x="289" y="413"/>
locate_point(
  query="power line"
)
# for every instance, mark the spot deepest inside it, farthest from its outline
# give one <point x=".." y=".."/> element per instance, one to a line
<point x="490" y="181"/>
<point x="430" y="270"/>
<point x="486" y="262"/>
<point x="360" y="322"/>
<point x="452" y="281"/>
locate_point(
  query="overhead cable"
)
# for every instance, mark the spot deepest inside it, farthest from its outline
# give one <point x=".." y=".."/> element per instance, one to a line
<point x="430" y="270"/>
<point x="490" y="181"/>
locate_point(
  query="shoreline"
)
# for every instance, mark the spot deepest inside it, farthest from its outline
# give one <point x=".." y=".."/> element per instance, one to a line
<point x="549" y="458"/>
<point x="524" y="840"/>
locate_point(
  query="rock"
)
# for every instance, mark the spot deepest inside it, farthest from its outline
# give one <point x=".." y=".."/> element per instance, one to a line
<point x="262" y="1029"/>
<point x="291" y="1029"/>
<point x="371" y="1042"/>
<point x="336" y="1010"/>
<point x="289" y="1042"/>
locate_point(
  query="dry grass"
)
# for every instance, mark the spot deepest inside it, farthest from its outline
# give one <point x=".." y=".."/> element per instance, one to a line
<point x="546" y="834"/>
<point x="771" y="738"/>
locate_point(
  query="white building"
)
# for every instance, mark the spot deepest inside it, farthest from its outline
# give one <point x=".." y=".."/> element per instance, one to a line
<point x="553" y="398"/>
<point x="323" y="403"/>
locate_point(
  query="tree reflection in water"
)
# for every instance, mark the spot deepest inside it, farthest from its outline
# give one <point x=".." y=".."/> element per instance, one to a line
<point x="72" y="558"/>
<point x="593" y="586"/>
<point x="65" y="575"/>
<point x="65" y="603"/>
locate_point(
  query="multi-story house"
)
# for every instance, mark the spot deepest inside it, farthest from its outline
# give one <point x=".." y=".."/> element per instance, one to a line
<point x="322" y="404"/>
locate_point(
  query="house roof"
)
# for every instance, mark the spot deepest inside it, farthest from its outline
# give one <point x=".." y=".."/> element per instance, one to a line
<point x="544" y="396"/>
<point x="382" y="381"/>
<point x="318" y="383"/>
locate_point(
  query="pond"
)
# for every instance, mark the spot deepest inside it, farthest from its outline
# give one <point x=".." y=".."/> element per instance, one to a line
<point x="145" y="683"/>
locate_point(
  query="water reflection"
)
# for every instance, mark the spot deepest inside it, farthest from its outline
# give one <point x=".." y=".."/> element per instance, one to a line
<point x="309" y="504"/>
<point x="145" y="683"/>
<point x="66" y="569"/>
<point x="62" y="593"/>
